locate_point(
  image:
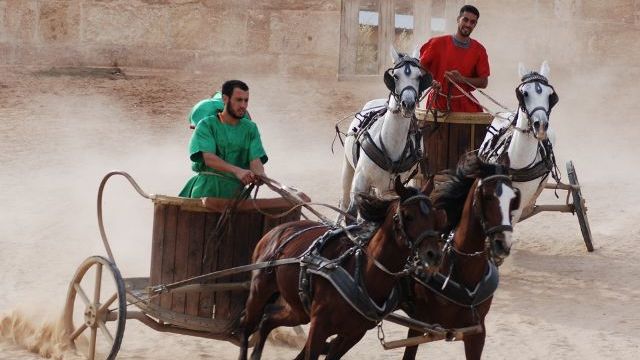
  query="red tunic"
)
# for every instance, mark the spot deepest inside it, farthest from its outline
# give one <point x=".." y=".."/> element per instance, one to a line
<point x="440" y="54"/>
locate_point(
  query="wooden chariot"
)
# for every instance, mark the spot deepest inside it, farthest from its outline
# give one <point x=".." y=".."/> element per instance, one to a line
<point x="185" y="244"/>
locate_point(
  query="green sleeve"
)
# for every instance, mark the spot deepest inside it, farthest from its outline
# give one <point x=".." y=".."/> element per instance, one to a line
<point x="202" y="140"/>
<point x="255" y="146"/>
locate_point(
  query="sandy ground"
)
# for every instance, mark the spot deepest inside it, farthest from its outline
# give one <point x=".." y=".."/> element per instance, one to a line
<point x="61" y="131"/>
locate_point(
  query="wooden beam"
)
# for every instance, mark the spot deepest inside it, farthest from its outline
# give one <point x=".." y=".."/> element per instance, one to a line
<point x="386" y="32"/>
<point x="422" y="13"/>
<point x="349" y="28"/>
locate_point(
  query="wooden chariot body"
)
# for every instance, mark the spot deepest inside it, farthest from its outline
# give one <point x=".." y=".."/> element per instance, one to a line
<point x="447" y="136"/>
<point x="184" y="246"/>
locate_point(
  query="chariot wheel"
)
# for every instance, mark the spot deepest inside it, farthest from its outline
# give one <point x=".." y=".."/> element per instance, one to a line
<point x="579" y="206"/>
<point x="96" y="309"/>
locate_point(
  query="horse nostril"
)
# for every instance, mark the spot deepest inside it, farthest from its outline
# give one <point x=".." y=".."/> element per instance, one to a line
<point x="546" y="126"/>
<point x="536" y="124"/>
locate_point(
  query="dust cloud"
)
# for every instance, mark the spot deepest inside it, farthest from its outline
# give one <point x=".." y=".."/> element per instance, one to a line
<point x="61" y="132"/>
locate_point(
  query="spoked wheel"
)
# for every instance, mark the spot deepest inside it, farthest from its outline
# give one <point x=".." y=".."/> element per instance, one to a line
<point x="96" y="309"/>
<point x="580" y="207"/>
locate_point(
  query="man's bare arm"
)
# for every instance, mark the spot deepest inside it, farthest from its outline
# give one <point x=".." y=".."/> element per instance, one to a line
<point x="215" y="162"/>
<point x="478" y="82"/>
<point x="256" y="167"/>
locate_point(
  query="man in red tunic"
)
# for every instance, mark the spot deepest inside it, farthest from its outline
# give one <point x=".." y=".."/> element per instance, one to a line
<point x="461" y="58"/>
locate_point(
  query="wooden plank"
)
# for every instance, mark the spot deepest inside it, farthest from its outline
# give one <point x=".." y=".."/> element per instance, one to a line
<point x="207" y="298"/>
<point x="349" y="27"/>
<point x="194" y="258"/>
<point x="169" y="252"/>
<point x="225" y="261"/>
<point x="182" y="253"/>
<point x="247" y="236"/>
<point x="386" y="33"/>
<point x="219" y="205"/>
<point x="454" y="117"/>
<point x="479" y="133"/>
<point x="157" y="243"/>
<point x="459" y="143"/>
<point x="422" y="21"/>
<point x="437" y="144"/>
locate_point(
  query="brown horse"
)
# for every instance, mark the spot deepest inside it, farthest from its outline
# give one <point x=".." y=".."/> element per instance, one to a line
<point x="402" y="233"/>
<point x="479" y="201"/>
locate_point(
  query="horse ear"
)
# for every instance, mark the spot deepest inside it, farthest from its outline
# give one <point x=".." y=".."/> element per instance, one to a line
<point x="441" y="219"/>
<point x="522" y="71"/>
<point x="394" y="55"/>
<point x="416" y="52"/>
<point x="545" y="69"/>
<point x="427" y="188"/>
<point x="505" y="160"/>
<point x="399" y="188"/>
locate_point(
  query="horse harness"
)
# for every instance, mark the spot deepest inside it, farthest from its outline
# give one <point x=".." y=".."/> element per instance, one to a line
<point x="450" y="289"/>
<point x="411" y="154"/>
<point x="407" y="62"/>
<point x="537" y="79"/>
<point x="498" y="147"/>
<point x="352" y="288"/>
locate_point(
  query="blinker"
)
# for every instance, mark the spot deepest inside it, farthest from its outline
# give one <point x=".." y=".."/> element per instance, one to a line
<point x="424" y="208"/>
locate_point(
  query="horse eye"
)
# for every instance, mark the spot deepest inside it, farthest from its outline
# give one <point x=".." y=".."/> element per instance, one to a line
<point x="525" y="93"/>
<point x="395" y="76"/>
<point x="408" y="217"/>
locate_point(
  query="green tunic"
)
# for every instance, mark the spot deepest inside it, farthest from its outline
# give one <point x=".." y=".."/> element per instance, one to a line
<point x="236" y="144"/>
<point x="208" y="107"/>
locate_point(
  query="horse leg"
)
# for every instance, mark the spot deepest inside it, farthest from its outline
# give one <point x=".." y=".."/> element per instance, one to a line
<point x="317" y="340"/>
<point x="341" y="344"/>
<point x="263" y="291"/>
<point x="282" y="316"/>
<point x="411" y="351"/>
<point x="347" y="179"/>
<point x="474" y="344"/>
<point x="360" y="184"/>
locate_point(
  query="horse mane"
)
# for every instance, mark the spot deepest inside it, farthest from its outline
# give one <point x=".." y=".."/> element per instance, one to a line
<point x="451" y="194"/>
<point x="375" y="209"/>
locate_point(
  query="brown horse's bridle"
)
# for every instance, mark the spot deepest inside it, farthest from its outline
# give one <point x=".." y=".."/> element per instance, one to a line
<point x="399" y="223"/>
<point x="477" y="207"/>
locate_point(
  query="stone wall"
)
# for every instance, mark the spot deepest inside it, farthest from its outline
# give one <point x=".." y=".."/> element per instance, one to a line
<point x="291" y="36"/>
<point x="283" y="36"/>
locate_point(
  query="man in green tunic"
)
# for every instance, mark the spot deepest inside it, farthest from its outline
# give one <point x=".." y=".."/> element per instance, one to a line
<point x="225" y="148"/>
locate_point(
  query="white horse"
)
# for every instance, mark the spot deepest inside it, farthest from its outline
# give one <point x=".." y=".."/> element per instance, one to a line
<point x="526" y="137"/>
<point x="377" y="151"/>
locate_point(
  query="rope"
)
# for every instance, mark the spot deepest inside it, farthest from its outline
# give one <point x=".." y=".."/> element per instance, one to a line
<point x="474" y="100"/>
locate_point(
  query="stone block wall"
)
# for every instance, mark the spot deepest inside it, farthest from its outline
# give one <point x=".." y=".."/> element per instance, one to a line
<point x="292" y="36"/>
<point x="282" y="36"/>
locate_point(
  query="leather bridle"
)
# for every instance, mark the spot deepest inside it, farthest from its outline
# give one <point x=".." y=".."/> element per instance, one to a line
<point x="477" y="205"/>
<point x="399" y="226"/>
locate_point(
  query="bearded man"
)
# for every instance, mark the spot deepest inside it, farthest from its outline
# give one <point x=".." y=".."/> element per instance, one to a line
<point x="459" y="57"/>
<point x="225" y="149"/>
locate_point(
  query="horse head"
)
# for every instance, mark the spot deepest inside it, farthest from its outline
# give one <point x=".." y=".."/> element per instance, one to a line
<point x="494" y="201"/>
<point x="406" y="80"/>
<point x="418" y="224"/>
<point x="536" y="98"/>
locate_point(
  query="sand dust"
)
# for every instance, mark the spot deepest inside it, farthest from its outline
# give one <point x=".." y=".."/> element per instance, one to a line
<point x="61" y="131"/>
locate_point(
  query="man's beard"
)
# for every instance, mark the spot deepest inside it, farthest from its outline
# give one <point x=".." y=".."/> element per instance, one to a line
<point x="233" y="114"/>
<point x="465" y="32"/>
